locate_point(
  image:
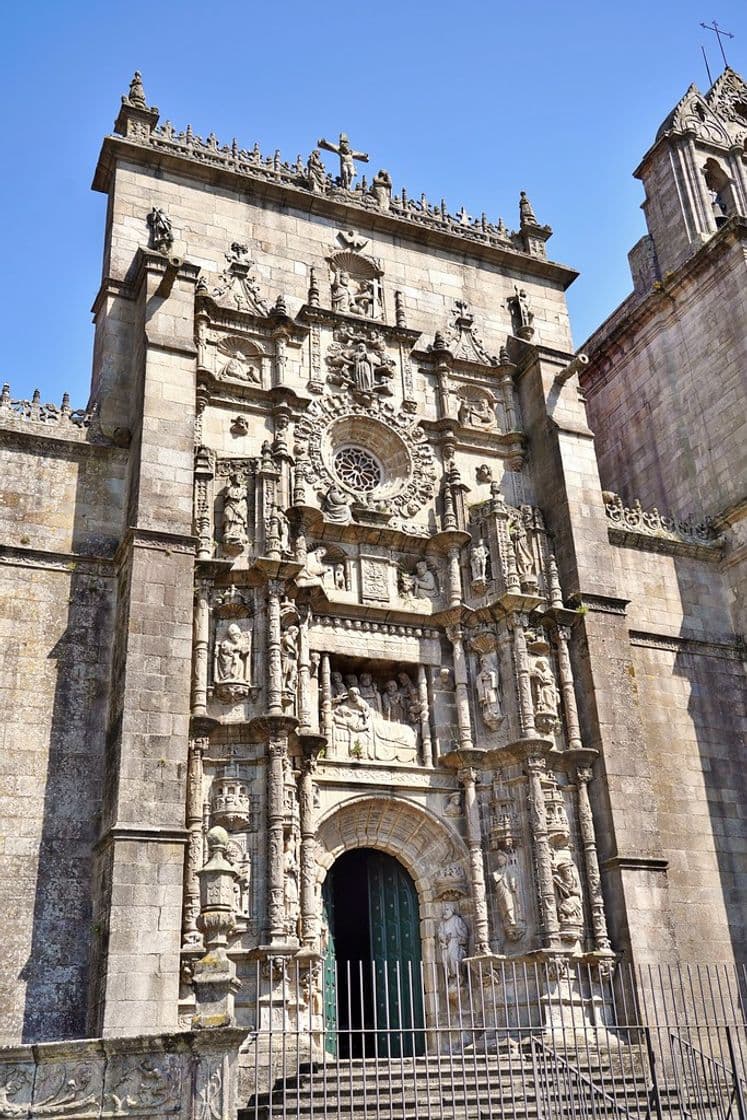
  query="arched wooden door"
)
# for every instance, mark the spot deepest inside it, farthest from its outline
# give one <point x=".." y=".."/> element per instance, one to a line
<point x="373" y="995"/>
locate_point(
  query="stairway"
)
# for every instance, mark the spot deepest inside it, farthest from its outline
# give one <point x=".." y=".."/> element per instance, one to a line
<point x="534" y="1082"/>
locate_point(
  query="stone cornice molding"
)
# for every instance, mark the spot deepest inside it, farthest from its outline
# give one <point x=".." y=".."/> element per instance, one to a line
<point x="729" y="651"/>
<point x="73" y="562"/>
<point x="343" y="206"/>
<point x="629" y="317"/>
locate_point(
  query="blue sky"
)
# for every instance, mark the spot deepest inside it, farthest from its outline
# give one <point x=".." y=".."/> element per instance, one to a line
<point x="470" y="101"/>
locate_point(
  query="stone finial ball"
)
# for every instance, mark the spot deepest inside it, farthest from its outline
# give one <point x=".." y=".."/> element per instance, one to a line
<point x="217" y="837"/>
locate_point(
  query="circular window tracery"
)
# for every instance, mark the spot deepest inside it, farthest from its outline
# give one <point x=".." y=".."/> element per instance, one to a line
<point x="357" y="468"/>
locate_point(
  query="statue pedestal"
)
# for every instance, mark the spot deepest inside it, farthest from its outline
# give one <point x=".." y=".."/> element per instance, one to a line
<point x="215" y="985"/>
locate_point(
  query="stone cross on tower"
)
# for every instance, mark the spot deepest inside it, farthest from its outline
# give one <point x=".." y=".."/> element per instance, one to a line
<point x="347" y="155"/>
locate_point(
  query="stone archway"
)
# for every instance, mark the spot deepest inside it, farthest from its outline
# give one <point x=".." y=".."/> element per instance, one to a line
<point x="432" y="852"/>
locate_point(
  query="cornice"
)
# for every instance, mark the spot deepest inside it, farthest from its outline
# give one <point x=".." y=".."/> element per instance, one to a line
<point x="341" y="206"/>
<point x="629" y="317"/>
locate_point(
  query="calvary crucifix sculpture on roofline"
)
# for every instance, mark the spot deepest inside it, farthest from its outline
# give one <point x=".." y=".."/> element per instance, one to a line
<point x="347" y="155"/>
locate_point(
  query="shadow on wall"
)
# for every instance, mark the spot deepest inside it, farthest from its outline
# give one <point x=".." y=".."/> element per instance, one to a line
<point x="57" y="969"/>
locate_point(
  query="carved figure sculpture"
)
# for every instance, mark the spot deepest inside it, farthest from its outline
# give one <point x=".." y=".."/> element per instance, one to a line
<point x="336" y="507"/>
<point x="370" y="692"/>
<point x="525" y="313"/>
<point x="522" y="552"/>
<point x="476" y="412"/>
<point x="341" y="296"/>
<point x="478" y="560"/>
<point x="291" y="888"/>
<point x="381" y="188"/>
<point x="351" y="717"/>
<point x="314" y="570"/>
<point x="337" y="685"/>
<point x="235" y="513"/>
<point x="453" y="938"/>
<point x="364" y="299"/>
<point x="506" y="889"/>
<point x="282" y="528"/>
<point x="339" y="576"/>
<point x="289" y="656"/>
<point x="236" y="367"/>
<point x="315" y="173"/>
<point x="406" y="582"/>
<point x="347" y="156"/>
<point x="544" y="689"/>
<point x="410" y="700"/>
<point x="161" y="232"/>
<point x="363" y="370"/>
<point x="568" y="890"/>
<point x="488" y="693"/>
<point x="424" y="581"/>
<point x="391" y="703"/>
<point x="233" y="656"/>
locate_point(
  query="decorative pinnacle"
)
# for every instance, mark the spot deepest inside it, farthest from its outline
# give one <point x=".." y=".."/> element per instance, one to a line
<point x="136" y="95"/>
<point x="526" y="212"/>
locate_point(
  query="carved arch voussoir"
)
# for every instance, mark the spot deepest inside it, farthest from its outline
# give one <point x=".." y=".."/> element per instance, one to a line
<point x="421" y="842"/>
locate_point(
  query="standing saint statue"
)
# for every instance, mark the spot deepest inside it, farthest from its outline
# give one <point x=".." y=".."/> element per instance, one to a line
<point x="453" y="938"/>
<point x="347" y="157"/>
<point x="478" y="559"/>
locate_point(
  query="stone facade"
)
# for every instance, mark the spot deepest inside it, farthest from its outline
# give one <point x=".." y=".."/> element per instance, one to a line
<point x="328" y="565"/>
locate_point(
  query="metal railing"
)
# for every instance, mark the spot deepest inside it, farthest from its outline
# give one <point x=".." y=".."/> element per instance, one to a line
<point x="491" y="1039"/>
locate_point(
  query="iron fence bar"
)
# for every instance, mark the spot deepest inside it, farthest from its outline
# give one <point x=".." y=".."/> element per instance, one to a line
<point x="375" y="1005"/>
<point x="655" y="1095"/>
<point x="364" y="1056"/>
<point x="484" y="1018"/>
<point x="351" y="1031"/>
<point x="508" y="1036"/>
<point x="737" y="1079"/>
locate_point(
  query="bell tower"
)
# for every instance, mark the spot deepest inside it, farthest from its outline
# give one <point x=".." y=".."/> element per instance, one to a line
<point x="694" y="176"/>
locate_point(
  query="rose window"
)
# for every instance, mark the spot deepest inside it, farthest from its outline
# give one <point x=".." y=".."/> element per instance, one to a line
<point x="357" y="469"/>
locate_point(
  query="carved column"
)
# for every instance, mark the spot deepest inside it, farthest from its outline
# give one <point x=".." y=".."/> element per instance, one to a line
<point x="524" y="686"/>
<point x="567" y="690"/>
<point x="276" y="752"/>
<point x="275" y="589"/>
<point x="201" y="638"/>
<point x="477" y="869"/>
<point x="193" y="862"/>
<point x="510" y="404"/>
<point x="203" y="519"/>
<point x="280" y="339"/>
<point x="326" y="715"/>
<point x="461" y="689"/>
<point x="591" y="859"/>
<point x="425" y="716"/>
<point x="455" y="576"/>
<point x="304" y="674"/>
<point x="549" y="924"/>
<point x="505" y="547"/>
<point x="309" y="916"/>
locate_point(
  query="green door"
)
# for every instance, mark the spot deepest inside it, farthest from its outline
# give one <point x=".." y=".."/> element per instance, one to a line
<point x="373" y="1000"/>
<point x="330" y="987"/>
<point x="394" y="923"/>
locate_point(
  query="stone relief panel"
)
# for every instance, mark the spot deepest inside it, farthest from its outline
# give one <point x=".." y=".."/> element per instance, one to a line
<point x="357" y="360"/>
<point x="356" y="280"/>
